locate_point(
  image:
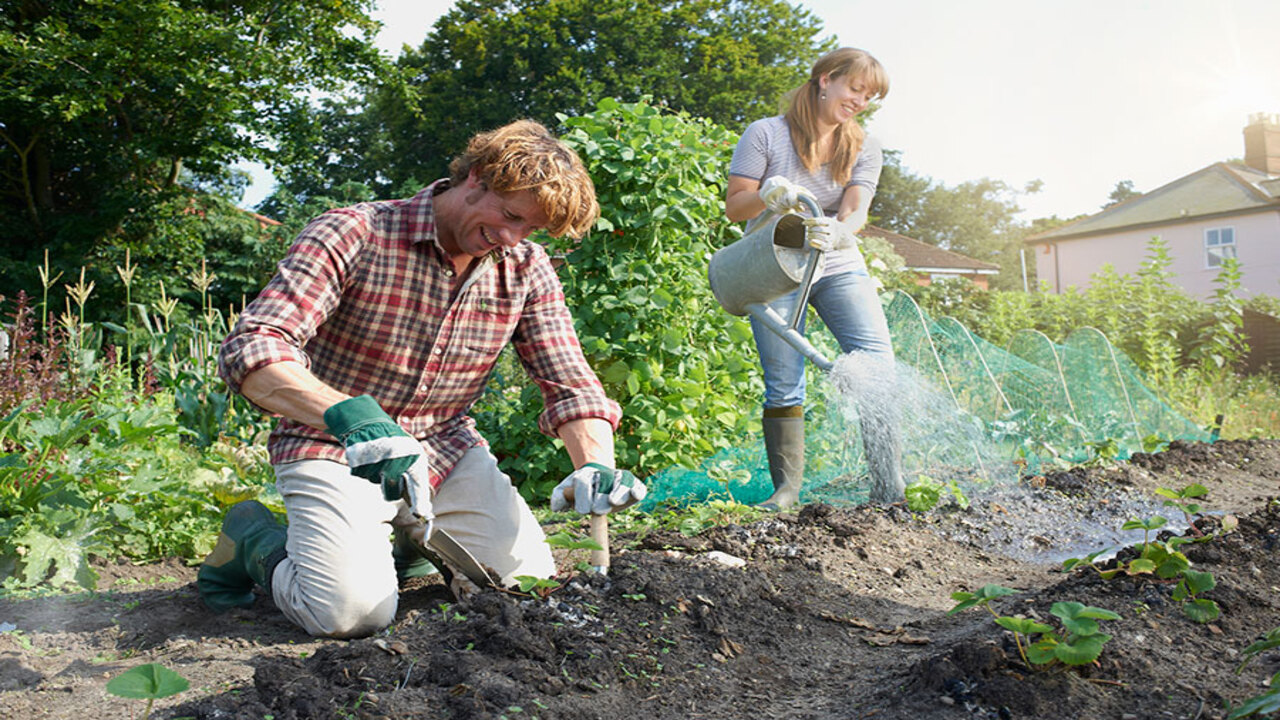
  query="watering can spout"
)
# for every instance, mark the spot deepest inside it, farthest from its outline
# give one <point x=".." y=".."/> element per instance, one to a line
<point x="775" y="323"/>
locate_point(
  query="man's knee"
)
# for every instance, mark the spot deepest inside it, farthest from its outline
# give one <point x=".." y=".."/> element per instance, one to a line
<point x="350" y="617"/>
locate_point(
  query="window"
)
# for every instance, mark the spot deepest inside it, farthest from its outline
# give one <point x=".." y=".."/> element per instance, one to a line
<point x="1219" y="244"/>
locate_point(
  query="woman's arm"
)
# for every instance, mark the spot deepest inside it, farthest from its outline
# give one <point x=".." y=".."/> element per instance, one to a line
<point x="854" y="204"/>
<point x="742" y="199"/>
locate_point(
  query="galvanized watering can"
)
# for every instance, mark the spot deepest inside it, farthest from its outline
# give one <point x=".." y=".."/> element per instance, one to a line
<point x="764" y="265"/>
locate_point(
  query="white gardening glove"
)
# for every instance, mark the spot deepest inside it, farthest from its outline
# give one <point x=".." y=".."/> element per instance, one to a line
<point x="827" y="233"/>
<point x="780" y="195"/>
<point x="597" y="489"/>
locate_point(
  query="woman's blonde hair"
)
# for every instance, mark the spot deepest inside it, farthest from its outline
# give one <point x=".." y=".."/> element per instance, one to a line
<point x="526" y="156"/>
<point x="802" y="109"/>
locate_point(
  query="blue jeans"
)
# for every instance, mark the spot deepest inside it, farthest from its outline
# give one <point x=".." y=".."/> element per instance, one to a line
<point x="849" y="306"/>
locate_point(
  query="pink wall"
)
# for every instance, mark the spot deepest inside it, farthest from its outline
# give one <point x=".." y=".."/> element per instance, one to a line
<point x="1070" y="262"/>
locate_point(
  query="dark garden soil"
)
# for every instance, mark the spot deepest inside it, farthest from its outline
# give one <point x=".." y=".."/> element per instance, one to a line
<point x="837" y="613"/>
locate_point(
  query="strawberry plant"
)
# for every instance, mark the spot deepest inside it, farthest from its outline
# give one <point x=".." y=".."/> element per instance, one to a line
<point x="1078" y="642"/>
<point x="1190" y="585"/>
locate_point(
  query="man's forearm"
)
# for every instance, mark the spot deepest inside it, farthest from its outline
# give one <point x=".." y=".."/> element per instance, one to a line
<point x="289" y="389"/>
<point x="588" y="440"/>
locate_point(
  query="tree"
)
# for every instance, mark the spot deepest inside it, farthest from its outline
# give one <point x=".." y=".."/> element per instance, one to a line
<point x="110" y="112"/>
<point x="1122" y="191"/>
<point x="487" y="62"/>
<point x="978" y="218"/>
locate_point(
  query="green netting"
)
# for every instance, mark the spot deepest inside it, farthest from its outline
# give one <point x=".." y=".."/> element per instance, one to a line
<point x="970" y="412"/>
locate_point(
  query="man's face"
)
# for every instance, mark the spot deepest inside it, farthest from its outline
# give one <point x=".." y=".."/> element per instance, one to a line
<point x="491" y="219"/>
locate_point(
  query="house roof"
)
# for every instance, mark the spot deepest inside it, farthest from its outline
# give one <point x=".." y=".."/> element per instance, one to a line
<point x="923" y="257"/>
<point x="1217" y="190"/>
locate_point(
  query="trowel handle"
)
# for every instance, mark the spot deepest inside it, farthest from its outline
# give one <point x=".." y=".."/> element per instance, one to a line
<point x="600" y="534"/>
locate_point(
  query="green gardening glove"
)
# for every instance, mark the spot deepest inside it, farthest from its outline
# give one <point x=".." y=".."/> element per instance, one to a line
<point x="380" y="451"/>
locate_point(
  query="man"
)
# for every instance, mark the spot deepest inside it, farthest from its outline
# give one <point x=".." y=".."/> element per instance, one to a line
<point x="377" y="334"/>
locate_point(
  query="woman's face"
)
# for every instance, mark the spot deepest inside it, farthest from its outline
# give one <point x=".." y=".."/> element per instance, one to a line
<point x="846" y="97"/>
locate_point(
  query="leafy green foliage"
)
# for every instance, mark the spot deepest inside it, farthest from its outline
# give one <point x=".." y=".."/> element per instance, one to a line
<point x="683" y="370"/>
<point x="981" y="598"/>
<point x="1221" y="345"/>
<point x="147" y="682"/>
<point x="113" y="137"/>
<point x="925" y="493"/>
<point x="488" y="62"/>
<point x="1180" y="499"/>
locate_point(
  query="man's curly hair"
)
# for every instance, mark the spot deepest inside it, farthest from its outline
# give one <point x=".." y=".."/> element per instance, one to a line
<point x="526" y="156"/>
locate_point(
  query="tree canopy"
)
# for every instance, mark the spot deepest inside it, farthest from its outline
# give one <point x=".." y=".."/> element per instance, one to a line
<point x="488" y="62"/>
<point x="110" y="110"/>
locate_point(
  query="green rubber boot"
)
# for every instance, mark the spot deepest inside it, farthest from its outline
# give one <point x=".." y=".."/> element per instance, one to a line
<point x="784" y="446"/>
<point x="249" y="547"/>
<point x="410" y="562"/>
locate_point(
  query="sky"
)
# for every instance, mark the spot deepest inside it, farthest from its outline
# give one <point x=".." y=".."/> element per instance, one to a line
<point x="1078" y="94"/>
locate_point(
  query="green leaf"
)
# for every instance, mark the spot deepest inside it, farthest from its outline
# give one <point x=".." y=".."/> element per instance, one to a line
<point x="1202" y="610"/>
<point x="1082" y="650"/>
<point x="1026" y="626"/>
<point x="147" y="682"/>
<point x="985" y="594"/>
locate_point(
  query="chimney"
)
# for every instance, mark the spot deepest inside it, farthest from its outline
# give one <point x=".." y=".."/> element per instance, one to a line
<point x="1262" y="143"/>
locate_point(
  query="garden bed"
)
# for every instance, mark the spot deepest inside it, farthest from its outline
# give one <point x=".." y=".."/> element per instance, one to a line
<point x="837" y="613"/>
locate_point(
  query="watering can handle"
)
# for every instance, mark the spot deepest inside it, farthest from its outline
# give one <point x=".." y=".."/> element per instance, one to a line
<point x="806" y="284"/>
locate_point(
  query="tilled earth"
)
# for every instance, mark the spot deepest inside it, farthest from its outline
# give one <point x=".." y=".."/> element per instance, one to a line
<point x="835" y="613"/>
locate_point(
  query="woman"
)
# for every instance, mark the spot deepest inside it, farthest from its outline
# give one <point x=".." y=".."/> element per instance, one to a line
<point x="818" y="149"/>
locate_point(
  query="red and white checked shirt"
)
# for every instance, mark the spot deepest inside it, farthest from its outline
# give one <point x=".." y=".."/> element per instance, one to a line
<point x="363" y="300"/>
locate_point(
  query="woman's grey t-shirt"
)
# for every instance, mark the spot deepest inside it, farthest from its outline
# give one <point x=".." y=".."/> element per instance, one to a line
<point x="765" y="150"/>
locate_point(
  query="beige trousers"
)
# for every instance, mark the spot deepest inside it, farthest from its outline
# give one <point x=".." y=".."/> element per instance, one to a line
<point x="339" y="579"/>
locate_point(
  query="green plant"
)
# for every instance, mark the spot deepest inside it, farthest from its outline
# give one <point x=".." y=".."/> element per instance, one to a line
<point x="1079" y="642"/>
<point x="644" y="313"/>
<point x="1268" y="703"/>
<point x="1190" y="585"/>
<point x="1180" y="499"/>
<point x="1269" y="641"/>
<point x="925" y="493"/>
<point x="148" y="682"/>
<point x="541" y="587"/>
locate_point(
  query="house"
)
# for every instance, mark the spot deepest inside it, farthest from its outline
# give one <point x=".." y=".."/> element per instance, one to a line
<point x="1226" y="210"/>
<point x="930" y="262"/>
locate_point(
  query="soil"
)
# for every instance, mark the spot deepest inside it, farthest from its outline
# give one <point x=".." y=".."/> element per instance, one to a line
<point x="835" y="613"/>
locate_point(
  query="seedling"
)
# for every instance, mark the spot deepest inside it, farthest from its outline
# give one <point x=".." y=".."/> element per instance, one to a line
<point x="1268" y="641"/>
<point x="541" y="587"/>
<point x="1079" y="643"/>
<point x="1268" y="703"/>
<point x="1082" y="641"/>
<point x="925" y="493"/>
<point x="1181" y="499"/>
<point x="148" y="682"/>
<point x="1087" y="561"/>
<point x="727" y="473"/>
<point x="1201" y="610"/>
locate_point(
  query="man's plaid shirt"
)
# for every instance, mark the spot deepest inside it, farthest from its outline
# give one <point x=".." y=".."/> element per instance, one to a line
<point x="363" y="300"/>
